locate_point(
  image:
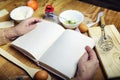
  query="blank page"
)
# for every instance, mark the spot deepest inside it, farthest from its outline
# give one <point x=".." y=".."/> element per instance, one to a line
<point x="40" y="39"/>
<point x="64" y="54"/>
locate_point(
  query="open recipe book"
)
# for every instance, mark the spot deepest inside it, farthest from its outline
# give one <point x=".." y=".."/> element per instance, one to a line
<point x="56" y="49"/>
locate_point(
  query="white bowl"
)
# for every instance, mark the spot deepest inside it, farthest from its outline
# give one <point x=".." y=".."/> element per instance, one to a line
<point x="73" y="16"/>
<point x="21" y="13"/>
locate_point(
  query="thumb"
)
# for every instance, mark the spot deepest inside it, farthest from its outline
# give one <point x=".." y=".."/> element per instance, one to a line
<point x="91" y="53"/>
<point x="84" y="58"/>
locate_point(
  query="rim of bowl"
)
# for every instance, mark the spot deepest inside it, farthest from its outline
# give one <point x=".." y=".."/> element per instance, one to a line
<point x="68" y="11"/>
<point x="13" y="11"/>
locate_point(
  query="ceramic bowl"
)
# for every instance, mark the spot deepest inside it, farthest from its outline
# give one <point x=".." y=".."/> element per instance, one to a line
<point x="71" y="18"/>
<point x="21" y="13"/>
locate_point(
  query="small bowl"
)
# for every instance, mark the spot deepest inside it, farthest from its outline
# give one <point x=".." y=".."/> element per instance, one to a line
<point x="21" y="13"/>
<point x="71" y="18"/>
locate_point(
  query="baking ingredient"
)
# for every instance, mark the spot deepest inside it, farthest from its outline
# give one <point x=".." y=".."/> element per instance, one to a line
<point x="3" y="12"/>
<point x="33" y="4"/>
<point x="6" y="24"/>
<point x="4" y="15"/>
<point x="83" y="27"/>
<point x="41" y="75"/>
<point x="70" y="22"/>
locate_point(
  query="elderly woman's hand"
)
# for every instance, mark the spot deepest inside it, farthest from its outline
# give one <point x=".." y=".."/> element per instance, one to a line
<point x="26" y="26"/>
<point x="87" y="65"/>
<point x="20" y="29"/>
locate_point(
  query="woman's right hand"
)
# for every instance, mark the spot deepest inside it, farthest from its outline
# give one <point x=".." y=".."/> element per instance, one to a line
<point x="26" y="25"/>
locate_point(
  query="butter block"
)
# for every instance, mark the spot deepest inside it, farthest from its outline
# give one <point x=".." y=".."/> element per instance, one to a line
<point x="3" y="12"/>
<point x="4" y="15"/>
<point x="6" y="24"/>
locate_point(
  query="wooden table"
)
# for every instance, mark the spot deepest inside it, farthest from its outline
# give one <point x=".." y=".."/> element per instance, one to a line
<point x="7" y="69"/>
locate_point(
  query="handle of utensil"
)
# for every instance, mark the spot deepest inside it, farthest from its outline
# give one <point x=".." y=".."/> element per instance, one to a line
<point x="29" y="70"/>
<point x="12" y="59"/>
<point x="102" y="20"/>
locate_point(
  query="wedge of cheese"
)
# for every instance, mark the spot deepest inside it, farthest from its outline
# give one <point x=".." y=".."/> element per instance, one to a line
<point x="4" y="15"/>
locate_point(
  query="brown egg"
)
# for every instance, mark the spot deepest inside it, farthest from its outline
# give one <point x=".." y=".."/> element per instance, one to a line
<point x="41" y="75"/>
<point x="83" y="27"/>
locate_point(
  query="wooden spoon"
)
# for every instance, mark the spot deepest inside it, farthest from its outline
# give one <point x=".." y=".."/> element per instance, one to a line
<point x="31" y="71"/>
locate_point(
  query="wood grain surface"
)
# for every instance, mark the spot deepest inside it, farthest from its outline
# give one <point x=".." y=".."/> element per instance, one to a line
<point x="9" y="70"/>
<point x="110" y="60"/>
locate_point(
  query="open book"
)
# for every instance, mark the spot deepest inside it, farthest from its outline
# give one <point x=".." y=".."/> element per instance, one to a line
<point x="57" y="49"/>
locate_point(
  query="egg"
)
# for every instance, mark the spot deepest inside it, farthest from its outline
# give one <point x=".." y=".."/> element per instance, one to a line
<point x="33" y="4"/>
<point x="83" y="27"/>
<point x="41" y="75"/>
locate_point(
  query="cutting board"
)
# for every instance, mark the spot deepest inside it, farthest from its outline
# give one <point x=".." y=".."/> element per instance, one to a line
<point x="110" y="60"/>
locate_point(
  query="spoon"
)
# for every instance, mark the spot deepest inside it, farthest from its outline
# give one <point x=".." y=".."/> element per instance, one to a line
<point x="98" y="19"/>
<point x="31" y="71"/>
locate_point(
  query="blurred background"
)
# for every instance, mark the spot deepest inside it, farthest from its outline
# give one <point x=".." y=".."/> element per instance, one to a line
<point x="110" y="4"/>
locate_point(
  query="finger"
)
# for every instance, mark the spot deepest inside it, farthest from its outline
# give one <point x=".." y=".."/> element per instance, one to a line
<point x="91" y="53"/>
<point x="34" y="22"/>
<point x="84" y="58"/>
<point x="32" y="19"/>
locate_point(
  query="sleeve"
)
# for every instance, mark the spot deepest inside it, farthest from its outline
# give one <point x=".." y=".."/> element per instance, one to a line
<point x="3" y="39"/>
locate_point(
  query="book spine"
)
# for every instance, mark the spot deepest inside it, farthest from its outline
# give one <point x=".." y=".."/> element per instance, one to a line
<point x="53" y="71"/>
